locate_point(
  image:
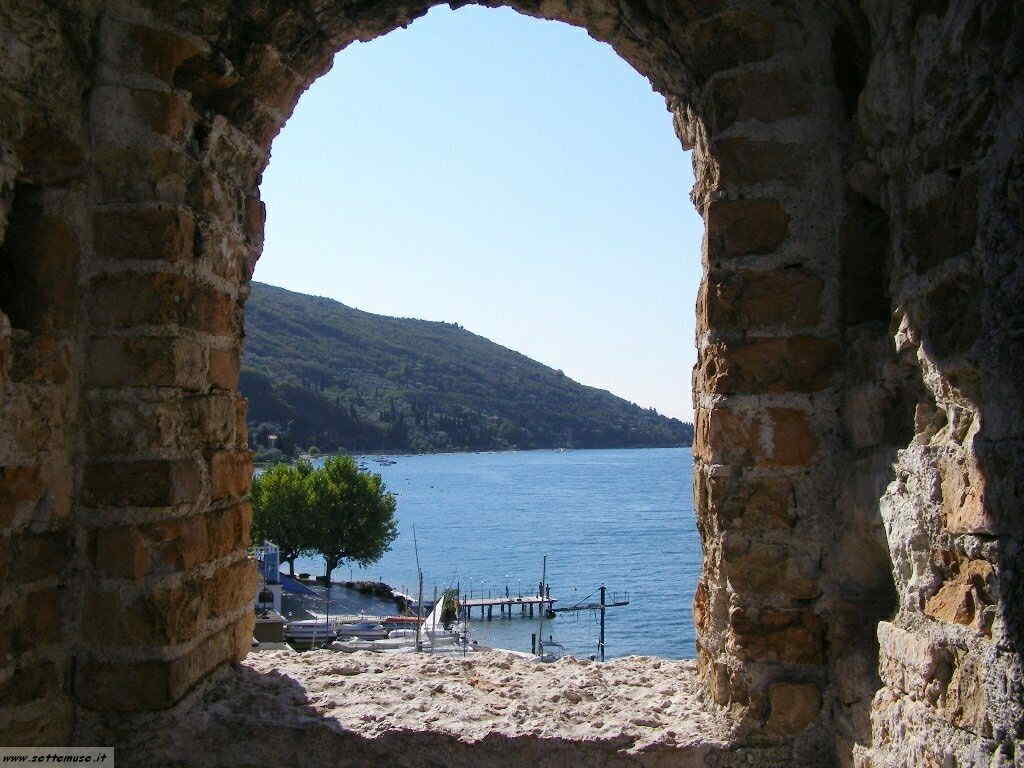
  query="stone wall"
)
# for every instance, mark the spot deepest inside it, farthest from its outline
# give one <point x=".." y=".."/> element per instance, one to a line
<point x="859" y="429"/>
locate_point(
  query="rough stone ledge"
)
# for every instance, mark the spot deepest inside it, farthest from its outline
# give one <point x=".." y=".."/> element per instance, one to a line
<point x="489" y="709"/>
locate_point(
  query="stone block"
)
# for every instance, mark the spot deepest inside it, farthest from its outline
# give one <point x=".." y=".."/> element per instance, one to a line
<point x="40" y="359"/>
<point x="725" y="436"/>
<point x="146" y="361"/>
<point x="792" y="707"/>
<point x="766" y="568"/>
<point x="755" y="95"/>
<point x="789" y="297"/>
<point x="778" y="636"/>
<point x="178" y="544"/>
<point x="123" y="116"/>
<point x="31" y="683"/>
<point x="230" y="474"/>
<point x="738" y="228"/>
<point x="157" y="483"/>
<point x="224" y="368"/>
<point x="120" y="423"/>
<point x="754" y="504"/>
<point x="41" y="722"/>
<point x="793" y="440"/>
<point x="126" y="686"/>
<point x="228" y="529"/>
<point x="212" y="419"/>
<point x="148" y="173"/>
<point x="119" y="552"/>
<point x="963" y="597"/>
<point x="729" y="39"/>
<point x="790" y="364"/>
<point x="159" y="617"/>
<point x="751" y="161"/>
<point x="20" y="488"/>
<point x="35" y="556"/>
<point x="963" y="497"/>
<point x="146" y="50"/>
<point x="158" y="232"/>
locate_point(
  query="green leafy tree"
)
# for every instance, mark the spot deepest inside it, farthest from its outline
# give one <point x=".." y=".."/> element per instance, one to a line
<point x="355" y="514"/>
<point x="281" y="510"/>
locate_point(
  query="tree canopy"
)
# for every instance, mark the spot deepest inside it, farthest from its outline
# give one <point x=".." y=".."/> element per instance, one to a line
<point x="335" y="510"/>
<point x="281" y="510"/>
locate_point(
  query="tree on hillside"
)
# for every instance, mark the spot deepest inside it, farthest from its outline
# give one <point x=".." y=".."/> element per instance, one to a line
<point x="354" y="513"/>
<point x="281" y="510"/>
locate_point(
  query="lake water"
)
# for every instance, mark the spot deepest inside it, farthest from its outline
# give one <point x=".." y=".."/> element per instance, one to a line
<point x="484" y="521"/>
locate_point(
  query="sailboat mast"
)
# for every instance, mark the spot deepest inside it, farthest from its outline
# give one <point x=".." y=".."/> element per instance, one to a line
<point x="540" y="628"/>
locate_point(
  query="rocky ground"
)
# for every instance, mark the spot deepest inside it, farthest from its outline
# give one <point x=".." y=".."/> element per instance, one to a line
<point x="490" y="708"/>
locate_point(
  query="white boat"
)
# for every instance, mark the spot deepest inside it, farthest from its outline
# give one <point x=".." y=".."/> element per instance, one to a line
<point x="362" y="630"/>
<point x="309" y="633"/>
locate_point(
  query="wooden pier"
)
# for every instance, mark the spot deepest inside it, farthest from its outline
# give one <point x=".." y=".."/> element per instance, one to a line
<point x="506" y="605"/>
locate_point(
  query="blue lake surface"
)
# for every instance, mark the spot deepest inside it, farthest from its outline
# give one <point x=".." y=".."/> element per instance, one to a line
<point x="484" y="521"/>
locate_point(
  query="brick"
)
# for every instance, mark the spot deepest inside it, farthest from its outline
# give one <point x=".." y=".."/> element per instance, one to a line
<point x="728" y="40"/>
<point x="51" y="153"/>
<point x="154" y="233"/>
<point x="754" y="504"/>
<point x="42" y="722"/>
<point x="230" y="473"/>
<point x="792" y="364"/>
<point x="744" y="227"/>
<point x="41" y="359"/>
<point x="224" y="368"/>
<point x="793" y="441"/>
<point x="757" y="567"/>
<point x="145" y="172"/>
<point x="179" y="544"/>
<point x="120" y="552"/>
<point x="129" y="115"/>
<point x="228" y="530"/>
<point x="792" y="707"/>
<point x="20" y="488"/>
<point x="151" y="685"/>
<point x="39" y="555"/>
<point x="141" y="483"/>
<point x="150" y="51"/>
<point x="161" y="617"/>
<point x="724" y="436"/>
<point x="778" y="636"/>
<point x="146" y="361"/>
<point x="121" y="423"/>
<point x="29" y="684"/>
<point x="754" y="95"/>
<point x="962" y="598"/>
<point x="212" y="419"/>
<point x="790" y="297"/>
<point x="749" y="161"/>
<point x="231" y="589"/>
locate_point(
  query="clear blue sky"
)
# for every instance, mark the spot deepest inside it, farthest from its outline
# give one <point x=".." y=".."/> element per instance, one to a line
<point x="505" y="173"/>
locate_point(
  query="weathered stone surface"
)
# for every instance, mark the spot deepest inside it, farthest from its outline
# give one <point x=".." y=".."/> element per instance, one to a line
<point x="740" y="300"/>
<point x="744" y="227"/>
<point x="860" y="173"/>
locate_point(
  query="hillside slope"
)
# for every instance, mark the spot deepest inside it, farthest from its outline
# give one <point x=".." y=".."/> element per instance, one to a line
<point x="319" y="373"/>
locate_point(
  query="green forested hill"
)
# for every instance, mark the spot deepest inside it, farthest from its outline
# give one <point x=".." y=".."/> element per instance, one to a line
<point x="319" y="373"/>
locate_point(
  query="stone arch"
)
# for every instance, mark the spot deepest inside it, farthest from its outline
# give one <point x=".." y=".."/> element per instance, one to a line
<point x="133" y="219"/>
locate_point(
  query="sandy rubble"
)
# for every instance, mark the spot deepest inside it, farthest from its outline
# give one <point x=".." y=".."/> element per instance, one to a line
<point x="638" y="702"/>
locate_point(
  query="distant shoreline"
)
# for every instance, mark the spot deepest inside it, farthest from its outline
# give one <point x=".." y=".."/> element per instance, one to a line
<point x="398" y="454"/>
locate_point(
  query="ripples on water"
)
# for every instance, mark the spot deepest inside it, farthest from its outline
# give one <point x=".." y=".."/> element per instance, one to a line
<point x="483" y="520"/>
